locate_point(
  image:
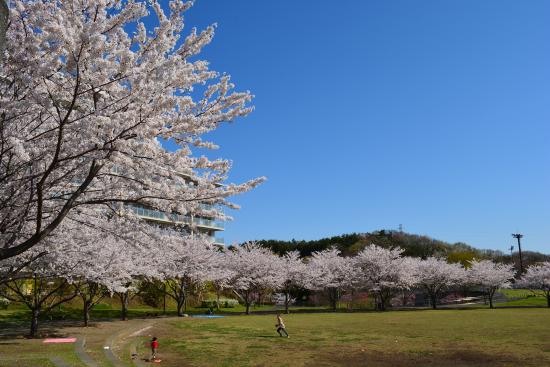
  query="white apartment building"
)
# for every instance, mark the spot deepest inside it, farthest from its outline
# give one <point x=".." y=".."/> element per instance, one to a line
<point x="208" y="226"/>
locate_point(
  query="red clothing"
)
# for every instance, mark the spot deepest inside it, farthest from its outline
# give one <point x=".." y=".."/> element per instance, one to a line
<point x="154" y="344"/>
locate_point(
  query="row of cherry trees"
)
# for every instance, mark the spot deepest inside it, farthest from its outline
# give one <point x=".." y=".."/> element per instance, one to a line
<point x="94" y="262"/>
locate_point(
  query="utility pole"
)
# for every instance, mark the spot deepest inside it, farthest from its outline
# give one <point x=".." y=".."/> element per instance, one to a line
<point x="518" y="236"/>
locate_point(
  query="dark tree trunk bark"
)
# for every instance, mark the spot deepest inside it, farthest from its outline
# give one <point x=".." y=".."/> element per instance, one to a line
<point x="376" y="302"/>
<point x="164" y="298"/>
<point x="433" y="300"/>
<point x="490" y="295"/>
<point x="548" y="300"/>
<point x="333" y="295"/>
<point x="181" y="297"/>
<point x="382" y="302"/>
<point x="287" y="300"/>
<point x="124" y="300"/>
<point x="247" y="299"/>
<point x="87" y="308"/>
<point x="34" y="322"/>
<point x="180" y="304"/>
<point x="88" y="305"/>
<point x="4" y="15"/>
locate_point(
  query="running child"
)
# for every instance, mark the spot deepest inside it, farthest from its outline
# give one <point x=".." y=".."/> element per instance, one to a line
<point x="281" y="326"/>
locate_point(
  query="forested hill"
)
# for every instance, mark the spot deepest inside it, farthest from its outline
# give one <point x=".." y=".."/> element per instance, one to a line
<point x="414" y="245"/>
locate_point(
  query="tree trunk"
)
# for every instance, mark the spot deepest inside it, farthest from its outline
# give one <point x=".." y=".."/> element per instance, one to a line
<point x="164" y="298"/>
<point x="180" y="304"/>
<point x="287" y="301"/>
<point x="217" y="298"/>
<point x="258" y="299"/>
<point x="34" y="322"/>
<point x="4" y="15"/>
<point x="433" y="299"/>
<point x="382" y="302"/>
<point x="124" y="299"/>
<point x="548" y="300"/>
<point x="247" y="299"/>
<point x="181" y="297"/>
<point x="87" y="307"/>
<point x="351" y="299"/>
<point x="490" y="295"/>
<point x="333" y="295"/>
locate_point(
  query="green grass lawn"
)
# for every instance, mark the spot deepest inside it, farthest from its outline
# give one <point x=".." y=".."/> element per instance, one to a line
<point x="471" y="336"/>
<point x="32" y="353"/>
<point x="516" y="293"/>
<point x="501" y="337"/>
<point x="424" y="338"/>
<point x="522" y="298"/>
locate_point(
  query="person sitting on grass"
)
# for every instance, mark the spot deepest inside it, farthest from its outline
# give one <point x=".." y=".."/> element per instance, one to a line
<point x="281" y="326"/>
<point x="154" y="349"/>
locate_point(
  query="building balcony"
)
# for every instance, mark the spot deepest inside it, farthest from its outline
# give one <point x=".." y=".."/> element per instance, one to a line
<point x="157" y="215"/>
<point x="210" y="223"/>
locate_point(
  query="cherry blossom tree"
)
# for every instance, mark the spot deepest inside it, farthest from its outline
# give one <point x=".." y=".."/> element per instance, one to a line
<point x="383" y="272"/>
<point x="490" y="276"/>
<point x="255" y="269"/>
<point x="93" y="254"/>
<point x="188" y="264"/>
<point x="435" y="275"/>
<point x="329" y="271"/>
<point x="113" y="263"/>
<point x="88" y="90"/>
<point x="44" y="284"/>
<point x="292" y="271"/>
<point x="537" y="278"/>
<point x="221" y="274"/>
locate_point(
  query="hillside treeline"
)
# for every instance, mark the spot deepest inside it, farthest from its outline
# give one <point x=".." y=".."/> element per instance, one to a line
<point x="413" y="244"/>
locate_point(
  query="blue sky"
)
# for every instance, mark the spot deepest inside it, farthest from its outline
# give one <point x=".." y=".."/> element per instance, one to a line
<point x="371" y="114"/>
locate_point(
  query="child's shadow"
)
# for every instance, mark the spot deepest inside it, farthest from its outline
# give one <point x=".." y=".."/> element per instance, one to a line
<point x="268" y="336"/>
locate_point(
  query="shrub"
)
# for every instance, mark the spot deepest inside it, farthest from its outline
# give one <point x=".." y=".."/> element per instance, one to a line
<point x="152" y="293"/>
<point x="4" y="303"/>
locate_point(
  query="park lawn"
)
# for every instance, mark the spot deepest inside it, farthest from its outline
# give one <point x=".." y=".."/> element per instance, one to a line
<point x="524" y="302"/>
<point x="22" y="352"/>
<point x="440" y="338"/>
<point x="522" y="298"/>
<point x="32" y="353"/>
<point x="516" y="293"/>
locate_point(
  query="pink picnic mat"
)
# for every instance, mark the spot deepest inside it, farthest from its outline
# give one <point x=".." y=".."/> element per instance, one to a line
<point x="59" y="340"/>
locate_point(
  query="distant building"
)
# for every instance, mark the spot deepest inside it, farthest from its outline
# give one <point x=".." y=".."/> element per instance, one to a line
<point x="191" y="223"/>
